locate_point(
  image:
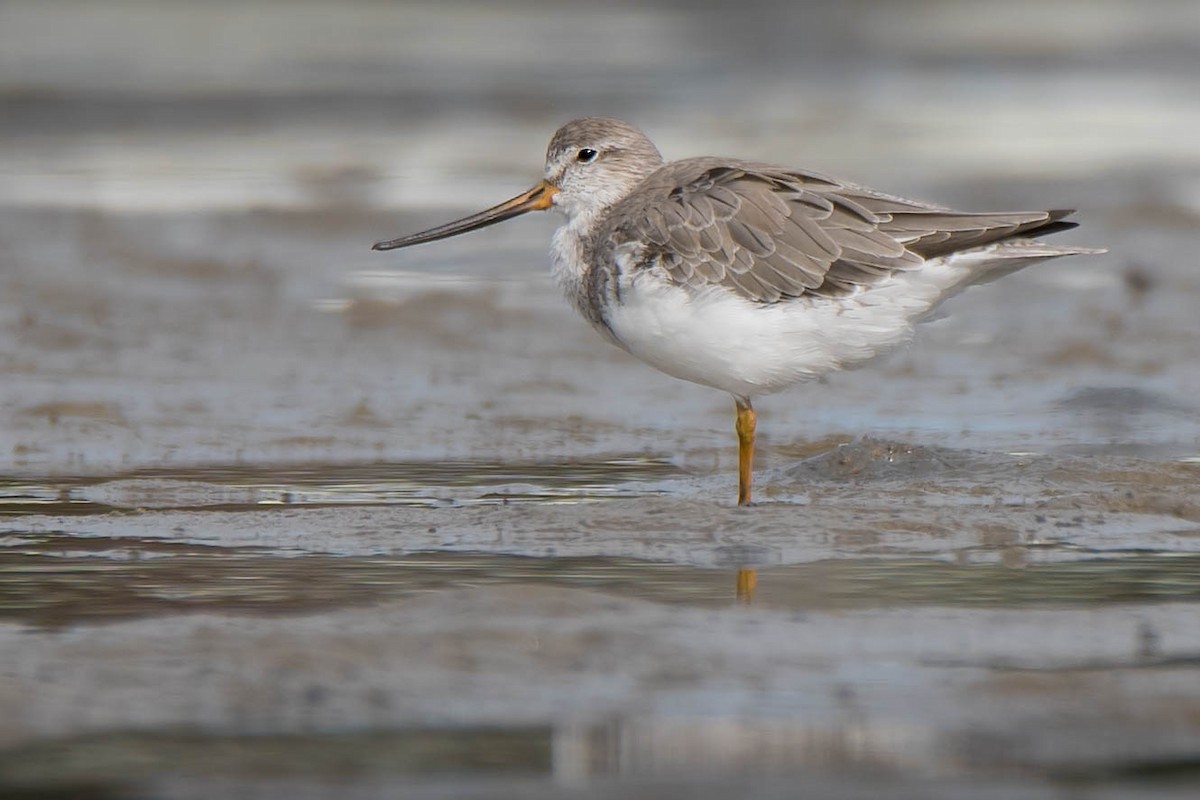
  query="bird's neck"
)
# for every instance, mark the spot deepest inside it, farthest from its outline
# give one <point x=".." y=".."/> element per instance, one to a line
<point x="584" y="281"/>
<point x="571" y="252"/>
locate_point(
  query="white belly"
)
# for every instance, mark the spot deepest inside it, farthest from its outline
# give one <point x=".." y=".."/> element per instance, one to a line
<point x="715" y="338"/>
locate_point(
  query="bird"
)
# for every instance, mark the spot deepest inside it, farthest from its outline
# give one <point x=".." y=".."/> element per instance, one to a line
<point x="746" y="276"/>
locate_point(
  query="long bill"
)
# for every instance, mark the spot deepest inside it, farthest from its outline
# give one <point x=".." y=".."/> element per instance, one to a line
<point x="539" y="198"/>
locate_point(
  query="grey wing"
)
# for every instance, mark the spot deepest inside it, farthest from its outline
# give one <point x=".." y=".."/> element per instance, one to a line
<point x="770" y="234"/>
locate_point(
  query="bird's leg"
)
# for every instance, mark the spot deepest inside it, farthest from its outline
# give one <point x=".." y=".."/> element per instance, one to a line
<point x="745" y="432"/>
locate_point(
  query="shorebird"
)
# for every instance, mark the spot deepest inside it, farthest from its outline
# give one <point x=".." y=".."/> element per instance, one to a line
<point x="746" y="276"/>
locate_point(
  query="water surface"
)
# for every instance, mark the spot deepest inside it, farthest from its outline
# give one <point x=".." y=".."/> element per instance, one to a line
<point x="281" y="516"/>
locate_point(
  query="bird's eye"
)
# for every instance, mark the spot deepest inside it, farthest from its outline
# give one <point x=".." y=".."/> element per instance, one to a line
<point x="586" y="155"/>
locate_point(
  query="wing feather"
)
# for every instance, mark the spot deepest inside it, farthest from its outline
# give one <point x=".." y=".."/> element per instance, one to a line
<point x="770" y="234"/>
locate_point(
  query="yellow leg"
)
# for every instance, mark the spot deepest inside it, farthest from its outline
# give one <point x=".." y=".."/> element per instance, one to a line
<point x="745" y="432"/>
<point x="747" y="579"/>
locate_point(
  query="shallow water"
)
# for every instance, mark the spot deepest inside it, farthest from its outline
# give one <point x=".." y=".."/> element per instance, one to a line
<point x="281" y="516"/>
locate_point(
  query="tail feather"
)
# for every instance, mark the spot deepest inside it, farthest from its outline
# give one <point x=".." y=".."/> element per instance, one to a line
<point x="946" y="274"/>
<point x="1023" y="246"/>
<point x="986" y="264"/>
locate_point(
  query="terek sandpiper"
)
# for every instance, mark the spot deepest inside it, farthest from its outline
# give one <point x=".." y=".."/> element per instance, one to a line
<point x="745" y="276"/>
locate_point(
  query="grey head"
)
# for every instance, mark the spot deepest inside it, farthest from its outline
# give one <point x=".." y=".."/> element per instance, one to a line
<point x="591" y="163"/>
<point x="595" y="162"/>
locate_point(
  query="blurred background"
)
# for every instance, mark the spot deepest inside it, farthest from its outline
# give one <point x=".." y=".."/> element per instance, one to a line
<point x="280" y="514"/>
<point x="190" y="191"/>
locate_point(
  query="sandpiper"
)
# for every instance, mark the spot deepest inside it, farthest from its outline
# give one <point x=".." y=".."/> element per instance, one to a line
<point x="746" y="276"/>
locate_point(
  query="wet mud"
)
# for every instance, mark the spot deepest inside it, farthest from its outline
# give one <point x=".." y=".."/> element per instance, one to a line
<point x="281" y="516"/>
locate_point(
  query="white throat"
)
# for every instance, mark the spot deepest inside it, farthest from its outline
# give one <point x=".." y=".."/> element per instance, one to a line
<point x="568" y="254"/>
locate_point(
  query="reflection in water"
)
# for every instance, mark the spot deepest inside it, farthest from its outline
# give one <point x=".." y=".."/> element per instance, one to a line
<point x="569" y="755"/>
<point x="647" y="744"/>
<point x="744" y="583"/>
<point x="637" y="745"/>
<point x="437" y="483"/>
<point x="132" y="758"/>
<point x="56" y="580"/>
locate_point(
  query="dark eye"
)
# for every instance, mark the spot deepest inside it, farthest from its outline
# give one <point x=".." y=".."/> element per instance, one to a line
<point x="586" y="155"/>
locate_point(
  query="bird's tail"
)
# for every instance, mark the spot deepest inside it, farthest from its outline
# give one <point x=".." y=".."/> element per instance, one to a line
<point x="1002" y="258"/>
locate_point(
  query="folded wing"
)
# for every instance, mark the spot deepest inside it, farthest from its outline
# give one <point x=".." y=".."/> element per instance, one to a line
<point x="769" y="233"/>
